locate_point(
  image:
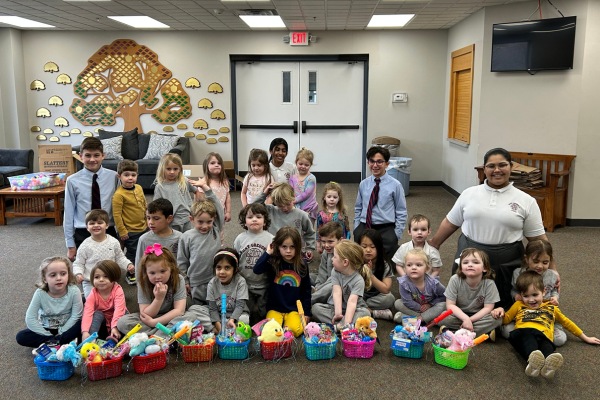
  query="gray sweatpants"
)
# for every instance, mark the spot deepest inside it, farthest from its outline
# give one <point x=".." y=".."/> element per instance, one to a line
<point x="324" y="313"/>
<point x="484" y="325"/>
<point x="380" y="301"/>
<point x="322" y="292"/>
<point x="200" y="313"/>
<point x="427" y="316"/>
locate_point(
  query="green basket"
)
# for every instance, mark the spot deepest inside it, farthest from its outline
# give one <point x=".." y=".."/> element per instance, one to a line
<point x="233" y="350"/>
<point x="415" y="350"/>
<point x="451" y="359"/>
<point x="320" y="351"/>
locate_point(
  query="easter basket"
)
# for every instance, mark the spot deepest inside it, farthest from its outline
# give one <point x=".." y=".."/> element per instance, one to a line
<point x="97" y="371"/>
<point x="276" y="350"/>
<point x="232" y="350"/>
<point x="198" y="352"/>
<point x="149" y="362"/>
<point x="320" y="351"/>
<point x="53" y="370"/>
<point x="408" y="348"/>
<point x="358" y="349"/>
<point x="451" y="359"/>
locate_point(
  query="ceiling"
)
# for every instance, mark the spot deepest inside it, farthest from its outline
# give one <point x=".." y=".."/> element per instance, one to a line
<point x="215" y="15"/>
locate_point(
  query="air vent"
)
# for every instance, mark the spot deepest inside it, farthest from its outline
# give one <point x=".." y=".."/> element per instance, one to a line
<point x="256" y="11"/>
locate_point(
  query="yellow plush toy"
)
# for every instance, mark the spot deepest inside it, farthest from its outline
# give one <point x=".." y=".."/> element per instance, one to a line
<point x="271" y="332"/>
<point x="366" y="325"/>
<point x="90" y="352"/>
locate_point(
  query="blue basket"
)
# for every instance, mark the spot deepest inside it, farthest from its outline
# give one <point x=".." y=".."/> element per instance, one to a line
<point x="320" y="351"/>
<point x="402" y="349"/>
<point x="53" y="371"/>
<point x="232" y="350"/>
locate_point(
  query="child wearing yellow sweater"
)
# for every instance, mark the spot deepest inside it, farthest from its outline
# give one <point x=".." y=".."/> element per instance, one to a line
<point x="534" y="327"/>
<point x="129" y="211"/>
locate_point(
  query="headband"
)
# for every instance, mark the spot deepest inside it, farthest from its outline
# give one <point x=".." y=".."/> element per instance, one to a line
<point x="155" y="249"/>
<point x="228" y="253"/>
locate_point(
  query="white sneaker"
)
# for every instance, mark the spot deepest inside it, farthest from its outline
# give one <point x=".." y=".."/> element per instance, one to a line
<point x="553" y="362"/>
<point x="383" y="314"/>
<point x="398" y="318"/>
<point x="535" y="362"/>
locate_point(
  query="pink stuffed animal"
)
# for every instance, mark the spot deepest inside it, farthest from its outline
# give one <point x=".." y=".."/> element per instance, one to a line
<point x="312" y="329"/>
<point x="462" y="340"/>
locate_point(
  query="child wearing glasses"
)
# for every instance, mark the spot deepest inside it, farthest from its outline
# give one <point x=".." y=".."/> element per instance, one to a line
<point x="380" y="203"/>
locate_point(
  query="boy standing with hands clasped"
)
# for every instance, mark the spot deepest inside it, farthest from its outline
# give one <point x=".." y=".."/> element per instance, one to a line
<point x="88" y="189"/>
<point x="159" y="216"/>
<point x="129" y="208"/>
<point x="419" y="229"/>
<point x="98" y="247"/>
<point x="380" y="203"/>
<point x="534" y="327"/>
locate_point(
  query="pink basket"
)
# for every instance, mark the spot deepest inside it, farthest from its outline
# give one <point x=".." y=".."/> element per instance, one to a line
<point x="353" y="349"/>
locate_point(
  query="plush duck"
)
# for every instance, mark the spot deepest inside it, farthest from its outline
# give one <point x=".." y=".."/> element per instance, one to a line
<point x="271" y="332"/>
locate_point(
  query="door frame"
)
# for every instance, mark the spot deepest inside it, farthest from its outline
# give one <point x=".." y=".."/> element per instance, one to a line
<point x="341" y="177"/>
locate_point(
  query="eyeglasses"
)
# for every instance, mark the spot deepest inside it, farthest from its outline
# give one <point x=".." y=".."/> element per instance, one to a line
<point x="502" y="165"/>
<point x="378" y="162"/>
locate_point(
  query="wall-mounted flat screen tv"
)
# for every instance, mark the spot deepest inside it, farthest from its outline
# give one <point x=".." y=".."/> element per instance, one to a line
<point x="545" y="44"/>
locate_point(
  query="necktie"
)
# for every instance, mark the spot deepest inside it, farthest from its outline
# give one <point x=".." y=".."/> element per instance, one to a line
<point x="96" y="203"/>
<point x="372" y="202"/>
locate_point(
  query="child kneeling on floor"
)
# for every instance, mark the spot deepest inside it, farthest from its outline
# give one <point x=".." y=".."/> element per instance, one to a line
<point x="534" y="327"/>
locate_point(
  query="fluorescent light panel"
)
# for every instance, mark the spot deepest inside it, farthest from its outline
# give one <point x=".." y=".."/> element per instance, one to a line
<point x="389" y="21"/>
<point x="23" y="22"/>
<point x="263" y="21"/>
<point x="139" y="21"/>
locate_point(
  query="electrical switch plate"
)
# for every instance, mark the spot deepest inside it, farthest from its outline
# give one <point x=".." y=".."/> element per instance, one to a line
<point x="399" y="98"/>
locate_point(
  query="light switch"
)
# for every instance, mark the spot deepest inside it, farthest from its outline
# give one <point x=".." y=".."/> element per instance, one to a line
<point x="399" y="98"/>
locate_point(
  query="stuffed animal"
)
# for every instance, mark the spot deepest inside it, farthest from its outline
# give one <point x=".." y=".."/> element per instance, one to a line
<point x="366" y="326"/>
<point x="462" y="340"/>
<point x="271" y="332"/>
<point x="138" y="343"/>
<point x="312" y="329"/>
<point x="243" y="331"/>
<point x="68" y="353"/>
<point x="90" y="352"/>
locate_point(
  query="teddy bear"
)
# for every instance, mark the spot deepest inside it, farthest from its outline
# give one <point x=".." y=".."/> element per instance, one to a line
<point x="366" y="326"/>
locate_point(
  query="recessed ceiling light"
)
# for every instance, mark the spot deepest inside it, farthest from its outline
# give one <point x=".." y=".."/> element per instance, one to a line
<point x="263" y="21"/>
<point x="139" y="21"/>
<point x="23" y="22"/>
<point x="389" y="21"/>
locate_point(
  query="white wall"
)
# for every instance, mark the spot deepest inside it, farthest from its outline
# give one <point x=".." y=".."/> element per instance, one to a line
<point x="411" y="61"/>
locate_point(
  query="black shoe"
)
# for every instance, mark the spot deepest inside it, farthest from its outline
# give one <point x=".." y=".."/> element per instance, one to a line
<point x="130" y="279"/>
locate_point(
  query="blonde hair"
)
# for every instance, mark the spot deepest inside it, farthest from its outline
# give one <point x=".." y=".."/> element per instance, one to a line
<point x="348" y="250"/>
<point x="306" y="154"/>
<point x="222" y="179"/>
<point x="162" y="166"/>
<point x="44" y="267"/>
<point x="421" y="254"/>
<point x="169" y="261"/>
<point x="204" y="206"/>
<point x="282" y="194"/>
<point x="335" y="187"/>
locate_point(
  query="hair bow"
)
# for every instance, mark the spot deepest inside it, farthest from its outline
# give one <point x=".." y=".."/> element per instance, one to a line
<point x="155" y="248"/>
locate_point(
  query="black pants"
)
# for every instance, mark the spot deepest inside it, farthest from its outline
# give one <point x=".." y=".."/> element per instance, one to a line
<point x="526" y="340"/>
<point x="29" y="338"/>
<point x="388" y="234"/>
<point x="504" y="258"/>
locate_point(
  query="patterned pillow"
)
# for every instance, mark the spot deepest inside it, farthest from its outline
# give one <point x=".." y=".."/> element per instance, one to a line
<point x="112" y="148"/>
<point x="129" y="146"/>
<point x="160" y="145"/>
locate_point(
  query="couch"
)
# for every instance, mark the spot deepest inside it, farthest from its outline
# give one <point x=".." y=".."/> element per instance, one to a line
<point x="14" y="162"/>
<point x="134" y="146"/>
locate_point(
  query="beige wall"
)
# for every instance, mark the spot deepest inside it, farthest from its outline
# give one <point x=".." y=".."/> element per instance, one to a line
<point x="410" y="61"/>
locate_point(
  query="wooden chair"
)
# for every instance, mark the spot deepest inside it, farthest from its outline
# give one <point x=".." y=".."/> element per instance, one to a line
<point x="552" y="197"/>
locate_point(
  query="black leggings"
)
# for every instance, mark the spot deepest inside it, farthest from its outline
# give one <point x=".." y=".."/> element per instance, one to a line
<point x="526" y="340"/>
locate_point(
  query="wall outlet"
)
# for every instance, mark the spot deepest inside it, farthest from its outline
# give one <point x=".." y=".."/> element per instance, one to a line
<point x="399" y="98"/>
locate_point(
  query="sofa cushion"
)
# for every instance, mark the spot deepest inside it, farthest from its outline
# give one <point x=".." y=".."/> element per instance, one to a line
<point x="130" y="144"/>
<point x="13" y="170"/>
<point x="160" y="145"/>
<point x="112" y="148"/>
<point x="147" y="167"/>
<point x="144" y="142"/>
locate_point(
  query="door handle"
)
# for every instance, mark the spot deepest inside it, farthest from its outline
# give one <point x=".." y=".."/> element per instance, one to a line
<point x="295" y="127"/>
<point x="270" y="127"/>
<point x="305" y="127"/>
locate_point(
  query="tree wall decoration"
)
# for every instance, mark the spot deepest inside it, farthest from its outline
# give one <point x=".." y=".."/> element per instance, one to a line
<point x="126" y="80"/>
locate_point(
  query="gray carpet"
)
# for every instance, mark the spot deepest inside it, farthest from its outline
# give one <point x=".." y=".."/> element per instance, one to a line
<point x="494" y="370"/>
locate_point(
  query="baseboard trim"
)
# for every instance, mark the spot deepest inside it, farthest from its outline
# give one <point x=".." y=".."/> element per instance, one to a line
<point x="450" y="190"/>
<point x="590" y="223"/>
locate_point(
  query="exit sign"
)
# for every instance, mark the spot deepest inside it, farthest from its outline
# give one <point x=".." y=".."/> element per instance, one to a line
<point x="299" y="38"/>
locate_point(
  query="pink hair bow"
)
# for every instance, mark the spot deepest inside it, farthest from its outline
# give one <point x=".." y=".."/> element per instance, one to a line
<point x="155" y="248"/>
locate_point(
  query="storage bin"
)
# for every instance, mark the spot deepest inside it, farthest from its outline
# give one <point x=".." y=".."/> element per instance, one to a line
<point x="399" y="169"/>
<point x="402" y="349"/>
<point x="451" y="359"/>
<point x="53" y="371"/>
<point x="104" y="369"/>
<point x="276" y="350"/>
<point x="150" y="362"/>
<point x="232" y="350"/>
<point x="197" y="352"/>
<point x="352" y="349"/>
<point x="320" y="351"/>
<point x="387" y="142"/>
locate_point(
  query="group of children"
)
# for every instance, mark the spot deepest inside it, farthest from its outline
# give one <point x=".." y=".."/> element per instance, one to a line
<point x="179" y="253"/>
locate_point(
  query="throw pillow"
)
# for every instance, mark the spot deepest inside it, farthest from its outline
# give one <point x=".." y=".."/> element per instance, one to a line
<point x="129" y="146"/>
<point x="160" y="145"/>
<point x="112" y="148"/>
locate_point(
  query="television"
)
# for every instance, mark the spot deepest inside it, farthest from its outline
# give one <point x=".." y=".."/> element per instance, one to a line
<point x="545" y="44"/>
